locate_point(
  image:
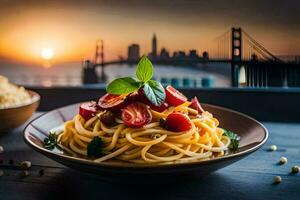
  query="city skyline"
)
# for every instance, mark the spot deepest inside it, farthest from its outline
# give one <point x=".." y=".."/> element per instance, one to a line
<point x="70" y="29"/>
<point x="162" y="54"/>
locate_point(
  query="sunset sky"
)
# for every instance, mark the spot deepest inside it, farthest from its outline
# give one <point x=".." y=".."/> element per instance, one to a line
<point x="71" y="28"/>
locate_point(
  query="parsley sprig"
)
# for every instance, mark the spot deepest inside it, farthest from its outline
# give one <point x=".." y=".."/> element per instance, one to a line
<point x="234" y="139"/>
<point x="51" y="141"/>
<point x="153" y="90"/>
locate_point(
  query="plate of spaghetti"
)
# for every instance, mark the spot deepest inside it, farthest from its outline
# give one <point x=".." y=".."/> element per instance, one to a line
<point x="140" y="128"/>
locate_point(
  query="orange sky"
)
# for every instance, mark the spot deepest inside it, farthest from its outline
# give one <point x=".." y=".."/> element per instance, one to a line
<point x="71" y="31"/>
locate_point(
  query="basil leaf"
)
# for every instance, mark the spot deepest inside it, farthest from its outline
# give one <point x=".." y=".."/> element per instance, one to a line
<point x="155" y="92"/>
<point x="144" y="70"/>
<point x="123" y="86"/>
<point x="234" y="139"/>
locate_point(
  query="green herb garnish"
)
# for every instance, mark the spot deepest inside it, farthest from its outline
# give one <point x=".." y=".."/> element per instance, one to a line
<point x="123" y="85"/>
<point x="234" y="139"/>
<point x="51" y="141"/>
<point x="94" y="148"/>
<point x="144" y="70"/>
<point x="153" y="90"/>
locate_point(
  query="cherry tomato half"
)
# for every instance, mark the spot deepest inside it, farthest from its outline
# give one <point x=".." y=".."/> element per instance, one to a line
<point x="178" y="122"/>
<point x="112" y="102"/>
<point x="174" y="97"/>
<point x="88" y="109"/>
<point x="136" y="115"/>
<point x="196" y="105"/>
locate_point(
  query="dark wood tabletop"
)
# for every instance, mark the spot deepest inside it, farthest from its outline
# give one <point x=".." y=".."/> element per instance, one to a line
<point x="250" y="178"/>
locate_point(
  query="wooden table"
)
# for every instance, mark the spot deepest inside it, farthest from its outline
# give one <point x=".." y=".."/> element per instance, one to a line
<point x="250" y="178"/>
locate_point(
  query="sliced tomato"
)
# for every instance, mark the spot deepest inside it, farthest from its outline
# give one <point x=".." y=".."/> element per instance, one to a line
<point x="112" y="102"/>
<point x="88" y="109"/>
<point x="196" y="105"/>
<point x="178" y="122"/>
<point x="136" y="115"/>
<point x="174" y="97"/>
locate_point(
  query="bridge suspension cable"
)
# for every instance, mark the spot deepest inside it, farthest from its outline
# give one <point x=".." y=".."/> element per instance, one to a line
<point x="259" y="48"/>
<point x="220" y="48"/>
<point x="251" y="49"/>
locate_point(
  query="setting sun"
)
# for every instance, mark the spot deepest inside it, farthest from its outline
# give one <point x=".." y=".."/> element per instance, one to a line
<point x="47" y="53"/>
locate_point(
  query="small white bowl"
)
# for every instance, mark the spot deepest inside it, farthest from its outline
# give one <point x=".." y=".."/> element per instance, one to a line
<point x="14" y="117"/>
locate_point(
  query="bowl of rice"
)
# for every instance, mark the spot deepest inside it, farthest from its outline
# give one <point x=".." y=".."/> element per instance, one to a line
<point x="16" y="105"/>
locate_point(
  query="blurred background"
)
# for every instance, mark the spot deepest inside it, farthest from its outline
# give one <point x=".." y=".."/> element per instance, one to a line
<point x="216" y="43"/>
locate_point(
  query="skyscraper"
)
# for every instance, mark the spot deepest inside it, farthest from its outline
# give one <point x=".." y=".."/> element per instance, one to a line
<point x="154" y="47"/>
<point x="133" y="52"/>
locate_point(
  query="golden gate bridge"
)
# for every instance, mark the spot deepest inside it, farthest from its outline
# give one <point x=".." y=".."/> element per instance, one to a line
<point x="235" y="47"/>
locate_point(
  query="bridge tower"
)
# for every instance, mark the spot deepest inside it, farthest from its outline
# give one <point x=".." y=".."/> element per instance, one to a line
<point x="100" y="45"/>
<point x="89" y="74"/>
<point x="236" y="54"/>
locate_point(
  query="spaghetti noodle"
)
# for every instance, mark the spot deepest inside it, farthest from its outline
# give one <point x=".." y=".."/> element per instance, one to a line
<point x="152" y="143"/>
